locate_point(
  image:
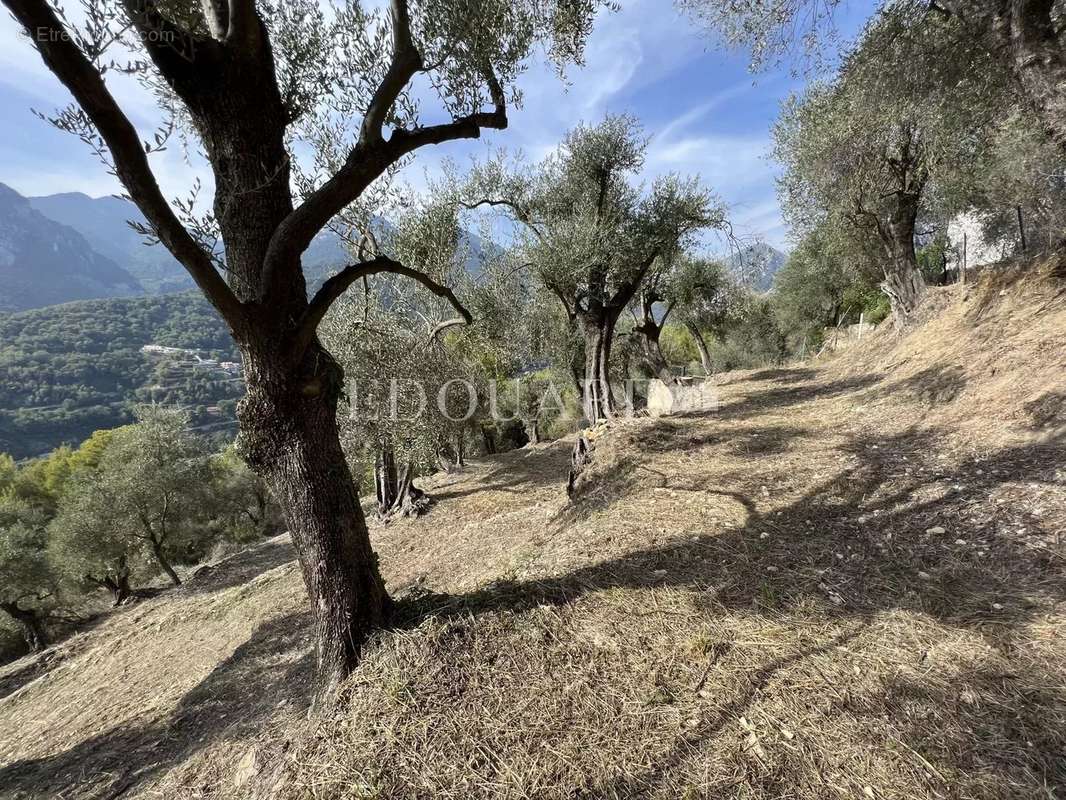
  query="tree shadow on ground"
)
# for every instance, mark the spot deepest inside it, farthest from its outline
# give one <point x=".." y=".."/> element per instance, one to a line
<point x="896" y="530"/>
<point x="271" y="670"/>
<point x="778" y="398"/>
<point x="860" y="539"/>
<point x="778" y="374"/>
<point x="517" y="471"/>
<point x="940" y="383"/>
<point x="241" y="567"/>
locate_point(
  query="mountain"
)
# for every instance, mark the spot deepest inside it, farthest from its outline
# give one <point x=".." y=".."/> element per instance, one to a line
<point x="43" y="262"/>
<point x="761" y="262"/>
<point x="104" y="222"/>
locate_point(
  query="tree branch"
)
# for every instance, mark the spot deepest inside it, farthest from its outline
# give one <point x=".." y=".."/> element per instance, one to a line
<point x="216" y="15"/>
<point x="365" y="164"/>
<point x="243" y="29"/>
<point x="406" y="61"/>
<point x="335" y="286"/>
<point x="70" y="65"/>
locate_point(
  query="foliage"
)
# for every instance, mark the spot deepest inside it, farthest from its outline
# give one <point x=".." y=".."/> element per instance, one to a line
<point x="68" y="370"/>
<point x="820" y="286"/>
<point x="143" y="508"/>
<point x="241" y="507"/>
<point x="898" y="115"/>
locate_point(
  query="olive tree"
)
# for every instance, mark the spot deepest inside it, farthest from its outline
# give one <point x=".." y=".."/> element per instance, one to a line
<point x="1025" y="37"/>
<point x="417" y="375"/>
<point x="256" y="84"/>
<point x="865" y="149"/>
<point x="591" y="235"/>
<point x="143" y="505"/>
<point x="27" y="580"/>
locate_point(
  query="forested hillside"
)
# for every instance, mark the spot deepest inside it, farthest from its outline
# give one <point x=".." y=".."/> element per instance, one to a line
<point x="68" y="370"/>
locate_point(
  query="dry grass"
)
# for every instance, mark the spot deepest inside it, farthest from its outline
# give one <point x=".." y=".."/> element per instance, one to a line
<point x="845" y="583"/>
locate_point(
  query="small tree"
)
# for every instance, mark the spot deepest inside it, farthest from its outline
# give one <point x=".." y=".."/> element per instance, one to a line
<point x="142" y="503"/>
<point x="703" y="295"/>
<point x="591" y="236"/>
<point x="26" y="577"/>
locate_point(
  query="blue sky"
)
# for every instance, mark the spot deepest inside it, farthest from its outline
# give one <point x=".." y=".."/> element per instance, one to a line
<point x="704" y="111"/>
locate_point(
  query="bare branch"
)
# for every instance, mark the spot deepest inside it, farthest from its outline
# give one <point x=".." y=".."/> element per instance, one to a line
<point x="216" y="15"/>
<point x="365" y="163"/>
<point x="406" y="61"/>
<point x="335" y="286"/>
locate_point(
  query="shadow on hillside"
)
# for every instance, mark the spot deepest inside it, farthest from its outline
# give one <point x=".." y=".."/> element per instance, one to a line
<point x="242" y="566"/>
<point x="860" y="543"/>
<point x="517" y="471"/>
<point x="271" y="670"/>
<point x="778" y="374"/>
<point x="940" y="383"/>
<point x="781" y="397"/>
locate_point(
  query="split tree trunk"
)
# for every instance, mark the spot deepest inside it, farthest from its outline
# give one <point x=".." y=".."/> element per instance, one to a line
<point x="118" y="584"/>
<point x="701" y="346"/>
<point x="598" y="400"/>
<point x="397" y="494"/>
<point x="650" y="332"/>
<point x="903" y="282"/>
<point x="30" y="625"/>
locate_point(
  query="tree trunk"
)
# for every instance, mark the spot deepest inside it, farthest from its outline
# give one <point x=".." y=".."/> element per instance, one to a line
<point x="289" y="436"/>
<point x="903" y="282"/>
<point x="650" y="332"/>
<point x="701" y="346"/>
<point x="385" y="478"/>
<point x="160" y="556"/>
<point x="488" y="439"/>
<point x="598" y="400"/>
<point x="118" y="585"/>
<point x="1039" y="62"/>
<point x="532" y="431"/>
<point x="29" y="623"/>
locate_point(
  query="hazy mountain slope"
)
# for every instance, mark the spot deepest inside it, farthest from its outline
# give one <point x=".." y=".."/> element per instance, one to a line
<point x="103" y="222"/>
<point x="760" y="261"/>
<point x="827" y="588"/>
<point x="43" y="262"/>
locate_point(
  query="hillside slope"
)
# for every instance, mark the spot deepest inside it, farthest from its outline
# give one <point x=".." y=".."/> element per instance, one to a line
<point x="43" y="262"/>
<point x="844" y="582"/>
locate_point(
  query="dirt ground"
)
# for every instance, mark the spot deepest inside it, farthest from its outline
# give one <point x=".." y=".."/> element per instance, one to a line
<point x="845" y="582"/>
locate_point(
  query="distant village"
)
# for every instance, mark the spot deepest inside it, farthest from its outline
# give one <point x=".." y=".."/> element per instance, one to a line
<point x="192" y="358"/>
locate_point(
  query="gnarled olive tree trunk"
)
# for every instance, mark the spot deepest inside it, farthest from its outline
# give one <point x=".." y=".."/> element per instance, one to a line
<point x="289" y="436"/>
<point x="29" y="624"/>
<point x="598" y="329"/>
<point x="1033" y="40"/>
<point x="395" y="489"/>
<point x="650" y="331"/>
<point x="903" y="281"/>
